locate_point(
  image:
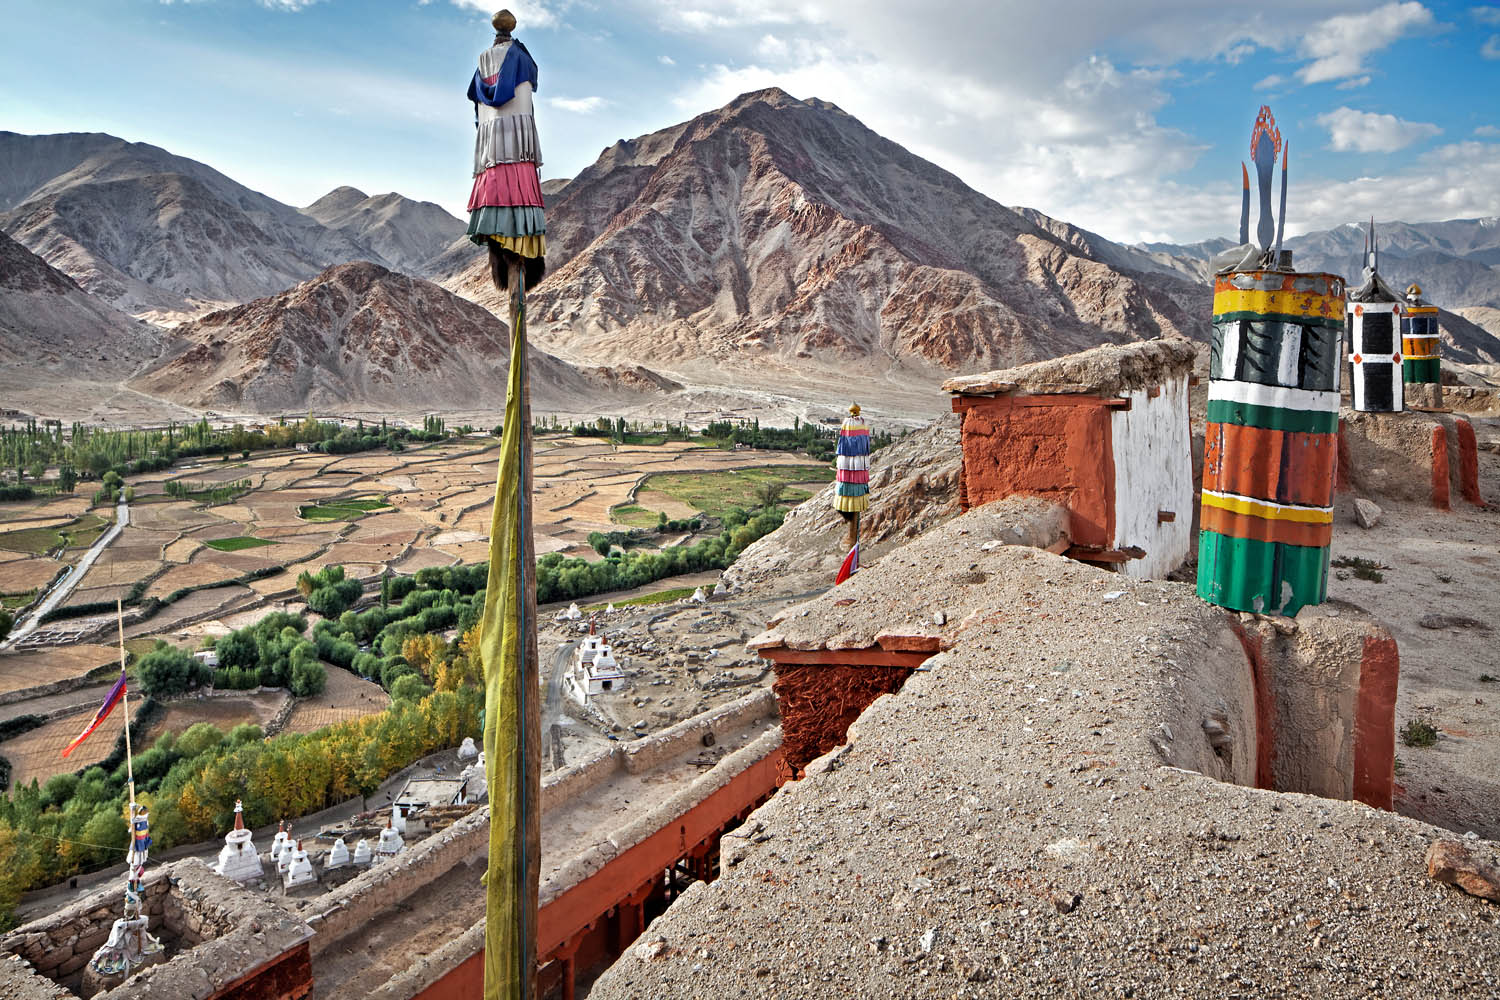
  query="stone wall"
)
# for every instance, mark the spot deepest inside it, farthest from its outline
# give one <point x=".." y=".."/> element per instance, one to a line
<point x="645" y="754"/>
<point x="219" y="937"/>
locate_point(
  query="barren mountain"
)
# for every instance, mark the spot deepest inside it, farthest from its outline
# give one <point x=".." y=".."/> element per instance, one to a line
<point x="62" y="351"/>
<point x="359" y="338"/>
<point x="154" y="233"/>
<point x="782" y="244"/>
<point x="407" y="233"/>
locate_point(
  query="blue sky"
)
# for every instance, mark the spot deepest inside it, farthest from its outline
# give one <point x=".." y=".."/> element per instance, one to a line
<point x="1126" y="118"/>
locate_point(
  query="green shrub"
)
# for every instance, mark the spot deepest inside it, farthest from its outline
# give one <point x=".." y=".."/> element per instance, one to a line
<point x="1419" y="733"/>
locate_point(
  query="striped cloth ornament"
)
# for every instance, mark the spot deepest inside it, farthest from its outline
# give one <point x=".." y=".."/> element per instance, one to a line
<point x="1271" y="445"/>
<point x="852" y="458"/>
<point x="505" y="202"/>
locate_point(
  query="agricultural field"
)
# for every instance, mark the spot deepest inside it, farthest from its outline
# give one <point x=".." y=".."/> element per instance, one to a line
<point x="208" y="540"/>
<point x="345" y="697"/>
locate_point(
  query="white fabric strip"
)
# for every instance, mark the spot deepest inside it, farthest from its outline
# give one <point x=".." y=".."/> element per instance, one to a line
<point x="511" y="139"/>
<point x="853" y="462"/>
<point x="1255" y="394"/>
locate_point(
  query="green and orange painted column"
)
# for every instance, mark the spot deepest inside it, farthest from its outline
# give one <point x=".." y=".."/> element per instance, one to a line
<point x="1421" y="361"/>
<point x="1271" y="447"/>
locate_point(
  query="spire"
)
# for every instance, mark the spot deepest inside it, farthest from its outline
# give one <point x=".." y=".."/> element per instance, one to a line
<point x="239" y="815"/>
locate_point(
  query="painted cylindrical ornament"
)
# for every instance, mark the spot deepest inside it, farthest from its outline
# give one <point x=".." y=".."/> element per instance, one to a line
<point x="1375" y="370"/>
<point x="1271" y="445"/>
<point x="1419" y="344"/>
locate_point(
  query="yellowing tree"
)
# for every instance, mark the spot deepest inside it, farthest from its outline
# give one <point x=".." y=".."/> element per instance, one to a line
<point x="425" y="653"/>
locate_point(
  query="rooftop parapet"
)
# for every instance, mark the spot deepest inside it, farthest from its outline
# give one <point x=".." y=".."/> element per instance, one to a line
<point x="1107" y="370"/>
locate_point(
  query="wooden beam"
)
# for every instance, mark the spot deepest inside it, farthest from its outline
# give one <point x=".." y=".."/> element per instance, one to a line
<point x="1086" y="554"/>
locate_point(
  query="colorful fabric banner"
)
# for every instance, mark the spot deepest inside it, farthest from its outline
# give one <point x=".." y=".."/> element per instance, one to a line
<point x="853" y="462"/>
<point x="1271" y="442"/>
<point x="849" y="567"/>
<point x="110" y="701"/>
<point x="505" y="202"/>
<point x="510" y="914"/>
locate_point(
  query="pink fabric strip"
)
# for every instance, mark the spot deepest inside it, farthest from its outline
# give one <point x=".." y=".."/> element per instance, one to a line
<point x="489" y="81"/>
<point x="506" y="185"/>
<point x="854" y="475"/>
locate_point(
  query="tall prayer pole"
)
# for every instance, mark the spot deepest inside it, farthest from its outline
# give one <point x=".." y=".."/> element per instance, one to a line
<point x="506" y="216"/>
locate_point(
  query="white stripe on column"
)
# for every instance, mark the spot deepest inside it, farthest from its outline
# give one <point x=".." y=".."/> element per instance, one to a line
<point x="1291" y="347"/>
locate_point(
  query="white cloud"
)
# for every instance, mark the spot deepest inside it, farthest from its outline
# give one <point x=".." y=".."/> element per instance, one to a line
<point x="1486" y="15"/>
<point x="666" y="60"/>
<point x="579" y="105"/>
<point x="1351" y="131"/>
<point x="1271" y="82"/>
<point x="1338" y="47"/>
<point x="1491" y="47"/>
<point x="287" y="5"/>
<point x="1488" y="131"/>
<point x="529" y="13"/>
<point x="1354" y="83"/>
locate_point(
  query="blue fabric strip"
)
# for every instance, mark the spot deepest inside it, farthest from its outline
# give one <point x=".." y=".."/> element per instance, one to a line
<point x="517" y="68"/>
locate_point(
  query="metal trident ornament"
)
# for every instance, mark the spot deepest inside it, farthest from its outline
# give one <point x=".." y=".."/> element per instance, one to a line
<point x="1265" y="144"/>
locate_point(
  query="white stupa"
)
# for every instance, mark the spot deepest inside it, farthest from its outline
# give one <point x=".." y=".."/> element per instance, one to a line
<point x="237" y="859"/>
<point x="572" y="614"/>
<point x="299" y="869"/>
<point x="467" y="750"/>
<point x="398" y="821"/>
<point x="281" y="843"/>
<point x="390" y="842"/>
<point x="610" y="609"/>
<point x="362" y="856"/>
<point x="595" y="670"/>
<point x="338" y="857"/>
<point x="699" y="597"/>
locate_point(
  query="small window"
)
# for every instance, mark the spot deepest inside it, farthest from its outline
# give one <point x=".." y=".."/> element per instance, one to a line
<point x="608" y="685"/>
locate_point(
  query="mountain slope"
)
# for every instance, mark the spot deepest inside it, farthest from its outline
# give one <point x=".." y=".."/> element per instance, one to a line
<point x="407" y="233"/>
<point x="359" y="337"/>
<point x="62" y="351"/>
<point x="781" y="243"/>
<point x="154" y="233"/>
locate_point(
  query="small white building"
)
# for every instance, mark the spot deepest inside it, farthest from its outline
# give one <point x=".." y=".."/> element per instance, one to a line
<point x="237" y="859"/>
<point x="595" y="670"/>
<point x="208" y="658"/>
<point x="299" y="869"/>
<point x="338" y="856"/>
<point x="390" y="844"/>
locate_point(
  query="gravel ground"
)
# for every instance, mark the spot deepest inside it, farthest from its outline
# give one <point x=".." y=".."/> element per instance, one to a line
<point x="1005" y="826"/>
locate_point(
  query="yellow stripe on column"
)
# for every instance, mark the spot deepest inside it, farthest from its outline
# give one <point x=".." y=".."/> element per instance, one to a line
<point x="1269" y="511"/>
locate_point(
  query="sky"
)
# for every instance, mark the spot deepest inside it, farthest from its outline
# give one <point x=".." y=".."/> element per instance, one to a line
<point x="1125" y="118"/>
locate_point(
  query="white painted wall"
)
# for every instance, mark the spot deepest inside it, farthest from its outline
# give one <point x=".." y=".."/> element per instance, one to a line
<point x="1154" y="472"/>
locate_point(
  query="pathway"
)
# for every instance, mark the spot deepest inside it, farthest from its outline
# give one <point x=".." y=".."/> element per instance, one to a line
<point x="70" y="581"/>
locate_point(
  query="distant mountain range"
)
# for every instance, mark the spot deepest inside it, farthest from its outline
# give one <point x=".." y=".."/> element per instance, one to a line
<point x="774" y="256"/>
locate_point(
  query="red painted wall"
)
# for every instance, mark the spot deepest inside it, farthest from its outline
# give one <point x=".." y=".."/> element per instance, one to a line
<point x="1059" y="447"/>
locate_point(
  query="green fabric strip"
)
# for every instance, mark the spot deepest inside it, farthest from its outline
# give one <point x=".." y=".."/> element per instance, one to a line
<point x="1332" y="322"/>
<point x="519" y="220"/>
<point x="1272" y="418"/>
<point x="1248" y="575"/>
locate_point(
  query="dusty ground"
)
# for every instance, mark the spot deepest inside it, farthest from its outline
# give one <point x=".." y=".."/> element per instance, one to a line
<point x="1444" y="569"/>
<point x="1005" y="826"/>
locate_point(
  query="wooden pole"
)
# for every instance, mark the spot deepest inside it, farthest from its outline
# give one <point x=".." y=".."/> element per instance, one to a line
<point x="531" y="718"/>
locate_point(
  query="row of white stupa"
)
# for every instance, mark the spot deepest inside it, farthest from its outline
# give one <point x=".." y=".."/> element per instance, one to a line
<point x="240" y="861"/>
<point x="573" y="613"/>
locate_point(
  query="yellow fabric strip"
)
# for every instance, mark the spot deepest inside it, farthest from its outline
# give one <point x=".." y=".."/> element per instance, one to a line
<point x="1283" y="303"/>
<point x="509" y="929"/>
<point x="525" y="246"/>
<point x="1269" y="511"/>
<point x="852" y="505"/>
